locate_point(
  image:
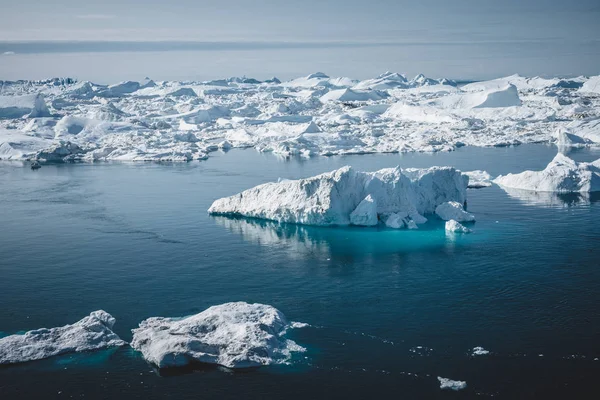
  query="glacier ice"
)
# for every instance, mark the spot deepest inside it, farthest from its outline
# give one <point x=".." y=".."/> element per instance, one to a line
<point x="307" y="116"/>
<point x="346" y="196"/>
<point x="446" y="383"/>
<point x="453" y="210"/>
<point x="93" y="332"/>
<point x="234" y="335"/>
<point x="561" y="175"/>
<point x="454" y="226"/>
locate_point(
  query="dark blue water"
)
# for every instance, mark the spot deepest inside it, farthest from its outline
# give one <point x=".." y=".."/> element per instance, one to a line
<point x="135" y="240"/>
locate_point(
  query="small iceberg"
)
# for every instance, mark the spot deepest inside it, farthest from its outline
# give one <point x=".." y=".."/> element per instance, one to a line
<point x="446" y="383"/>
<point x="478" y="179"/>
<point x="234" y="335"/>
<point x="453" y="226"/>
<point x="562" y="175"/>
<point x="453" y="210"/>
<point x="93" y="332"/>
<point x="479" y="351"/>
<point x="349" y="197"/>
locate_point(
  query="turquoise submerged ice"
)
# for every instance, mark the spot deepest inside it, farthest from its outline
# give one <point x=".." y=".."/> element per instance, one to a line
<point x="346" y="196"/>
<point x="235" y="335"/>
<point x="93" y="332"/>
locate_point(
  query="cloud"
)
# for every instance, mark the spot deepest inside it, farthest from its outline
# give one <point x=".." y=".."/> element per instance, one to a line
<point x="95" y="16"/>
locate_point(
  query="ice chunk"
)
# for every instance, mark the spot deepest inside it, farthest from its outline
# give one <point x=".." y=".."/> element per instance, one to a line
<point x="330" y="198"/>
<point x="32" y="105"/>
<point x="93" y="332"/>
<point x="352" y="95"/>
<point x="365" y="214"/>
<point x="446" y="383"/>
<point x="453" y="210"/>
<point x="506" y="96"/>
<point x="396" y="220"/>
<point x="479" y="351"/>
<point x="119" y="89"/>
<point x="235" y="335"/>
<point x="478" y="179"/>
<point x="456" y="227"/>
<point x="562" y="175"/>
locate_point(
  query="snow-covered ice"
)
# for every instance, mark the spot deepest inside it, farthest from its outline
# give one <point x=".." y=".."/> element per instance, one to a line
<point x="453" y="226"/>
<point x="562" y="175"/>
<point x="478" y="179"/>
<point x="446" y="383"/>
<point x="453" y="210"/>
<point x="93" y="332"/>
<point x="307" y="116"/>
<point x="346" y="196"/>
<point x="234" y="335"/>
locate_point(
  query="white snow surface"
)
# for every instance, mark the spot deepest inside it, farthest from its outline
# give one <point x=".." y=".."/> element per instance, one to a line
<point x="308" y="116"/>
<point x="234" y="335"/>
<point x="453" y="226"/>
<point x="93" y="332"/>
<point x="446" y="383"/>
<point x="562" y="175"/>
<point x="453" y="210"/>
<point x="346" y="196"/>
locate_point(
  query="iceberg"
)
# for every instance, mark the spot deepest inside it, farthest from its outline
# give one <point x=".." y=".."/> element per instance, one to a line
<point x="93" y="332"/>
<point x="562" y="175"/>
<point x="453" y="210"/>
<point x="234" y="335"/>
<point x="29" y="106"/>
<point x="478" y="179"/>
<point x="592" y="85"/>
<point x="346" y="196"/>
<point x="446" y="383"/>
<point x="479" y="351"/>
<point x="453" y="226"/>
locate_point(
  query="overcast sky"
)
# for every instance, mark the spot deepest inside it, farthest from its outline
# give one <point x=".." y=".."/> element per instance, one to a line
<point x="306" y="20"/>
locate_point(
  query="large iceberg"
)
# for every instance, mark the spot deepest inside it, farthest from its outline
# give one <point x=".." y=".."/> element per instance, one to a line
<point x="234" y="335"/>
<point x="93" y="332"/>
<point x="346" y="196"/>
<point x="562" y="175"/>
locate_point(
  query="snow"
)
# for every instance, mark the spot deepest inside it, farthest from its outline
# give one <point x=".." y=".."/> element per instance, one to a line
<point x="446" y="383"/>
<point x="93" y="332"/>
<point x="454" y="226"/>
<point x="31" y="106"/>
<point x="453" y="210"/>
<point x="478" y="179"/>
<point x="592" y="85"/>
<point x="234" y="335"/>
<point x="346" y="196"/>
<point x="309" y="116"/>
<point x="562" y="175"/>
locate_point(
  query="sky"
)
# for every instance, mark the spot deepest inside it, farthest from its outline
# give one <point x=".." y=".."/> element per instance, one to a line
<point x="568" y="30"/>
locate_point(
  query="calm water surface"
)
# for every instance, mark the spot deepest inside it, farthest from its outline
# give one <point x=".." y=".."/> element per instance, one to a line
<point x="135" y="240"/>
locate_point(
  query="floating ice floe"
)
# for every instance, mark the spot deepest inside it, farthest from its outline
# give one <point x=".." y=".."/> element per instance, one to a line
<point x="453" y="210"/>
<point x="453" y="226"/>
<point x="133" y="121"/>
<point x="562" y="175"/>
<point x="446" y="383"/>
<point x="93" y="332"/>
<point x="346" y="196"/>
<point x="479" y="351"/>
<point x="234" y="335"/>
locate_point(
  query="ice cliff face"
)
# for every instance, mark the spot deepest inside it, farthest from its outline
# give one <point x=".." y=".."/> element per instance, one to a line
<point x="346" y="196"/>
<point x="562" y="175"/>
<point x="235" y="335"/>
<point x="93" y="332"/>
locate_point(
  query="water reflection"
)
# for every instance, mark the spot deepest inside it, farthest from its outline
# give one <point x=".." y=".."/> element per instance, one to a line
<point x="553" y="199"/>
<point x="301" y="241"/>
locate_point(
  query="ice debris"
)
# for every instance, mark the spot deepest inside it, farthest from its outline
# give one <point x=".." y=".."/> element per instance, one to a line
<point x="446" y="383"/>
<point x="453" y="226"/>
<point x="93" y="332"/>
<point x="234" y="335"/>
